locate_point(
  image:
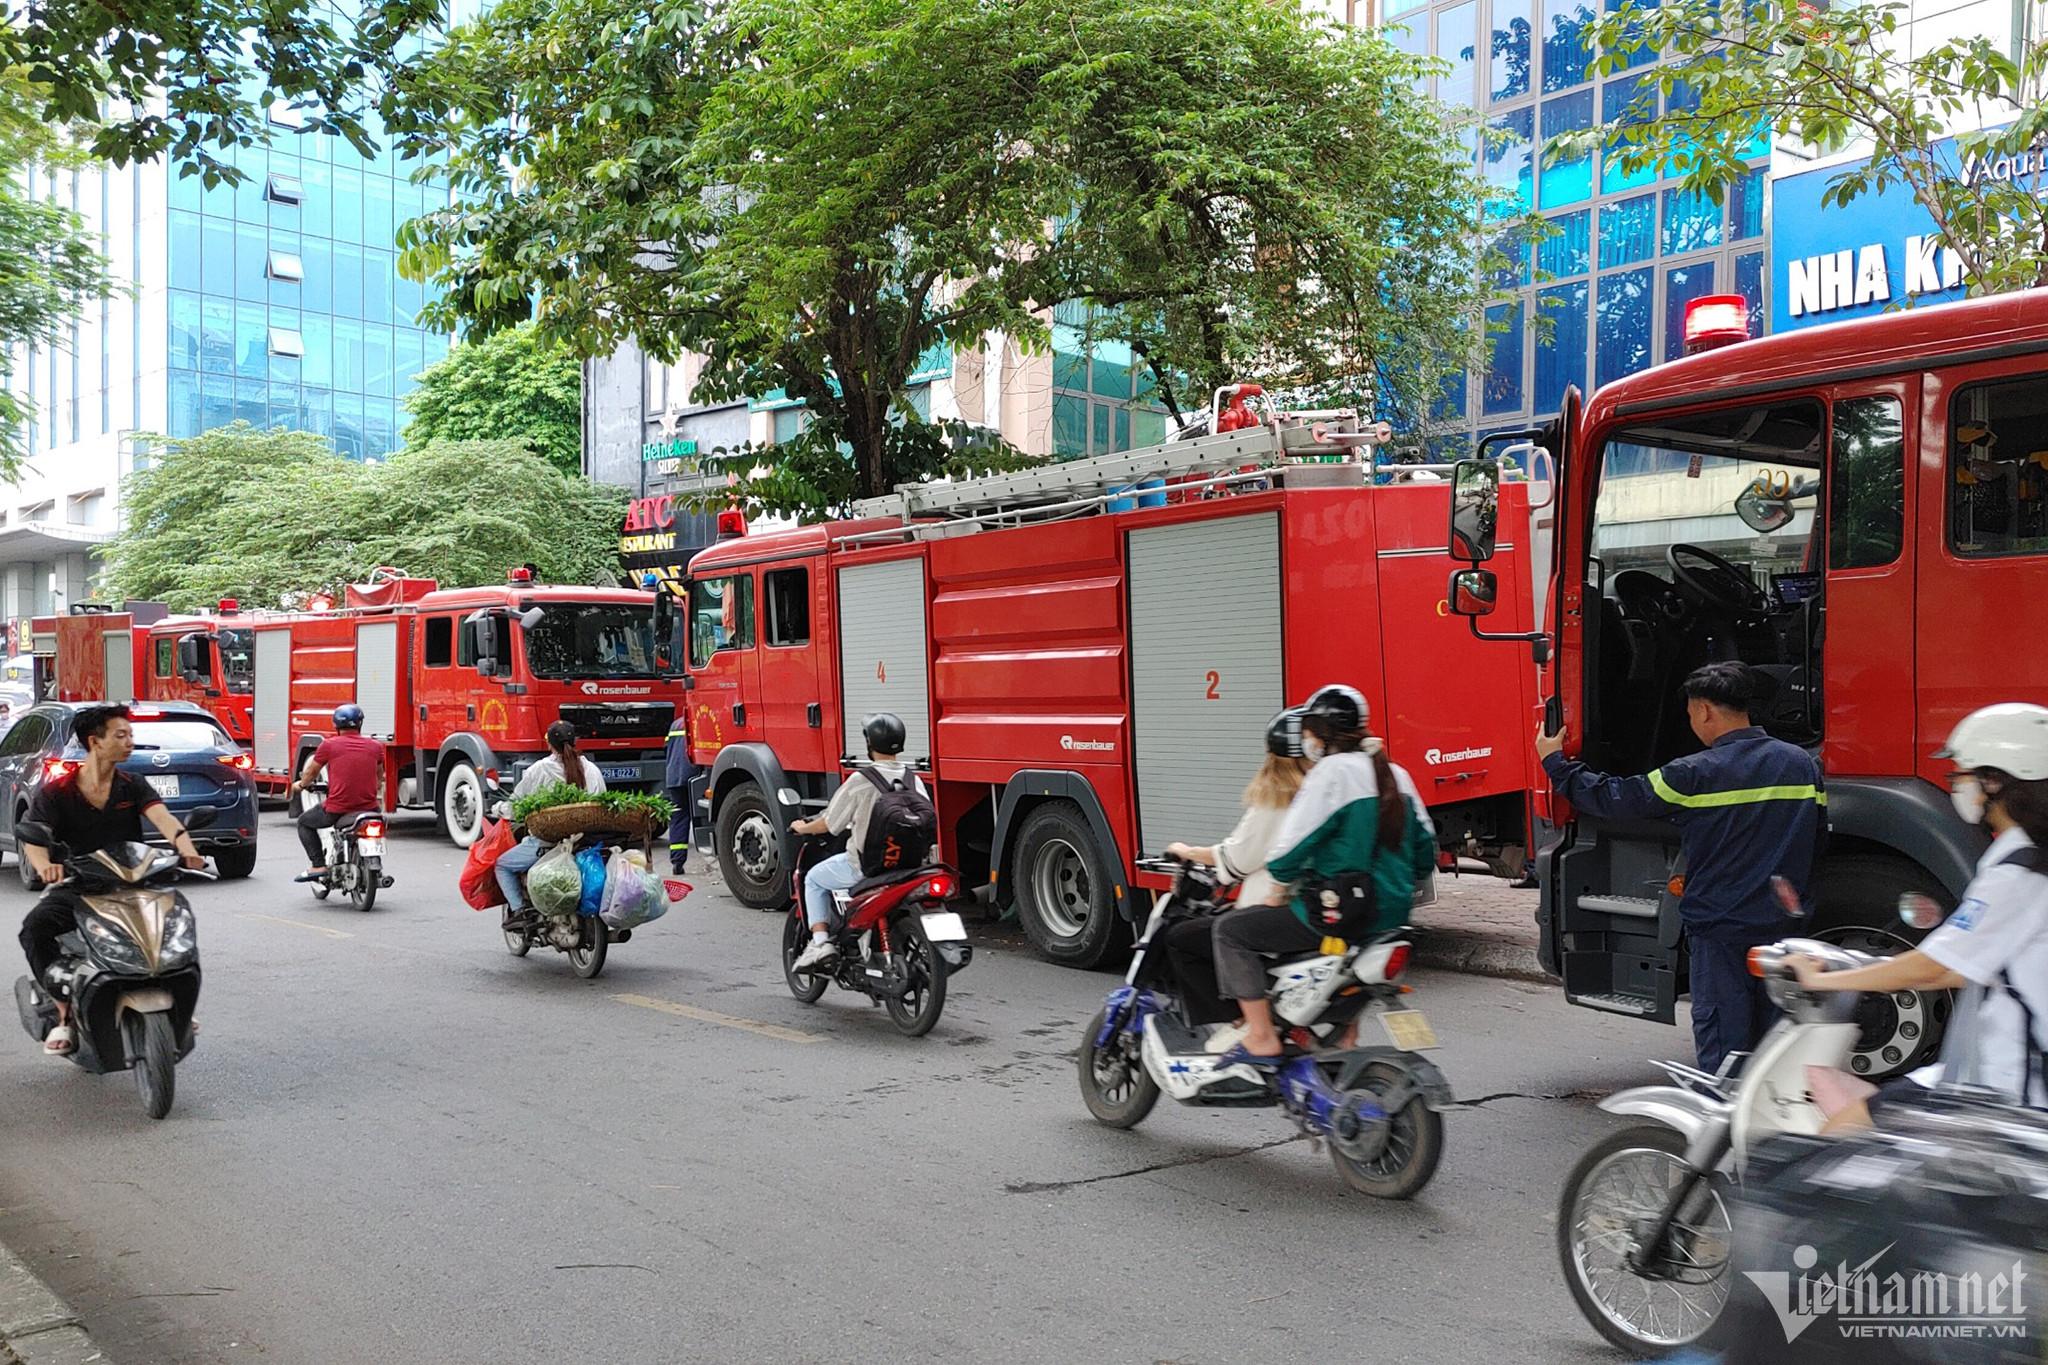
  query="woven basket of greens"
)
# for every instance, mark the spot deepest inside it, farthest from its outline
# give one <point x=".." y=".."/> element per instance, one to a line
<point x="558" y="811"/>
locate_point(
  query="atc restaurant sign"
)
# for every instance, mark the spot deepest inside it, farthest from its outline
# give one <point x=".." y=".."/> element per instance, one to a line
<point x="650" y="527"/>
<point x="1875" y="253"/>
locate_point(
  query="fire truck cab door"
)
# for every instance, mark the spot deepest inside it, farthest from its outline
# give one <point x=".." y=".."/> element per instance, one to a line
<point x="1207" y="670"/>
<point x="884" y="658"/>
<point x="725" y="700"/>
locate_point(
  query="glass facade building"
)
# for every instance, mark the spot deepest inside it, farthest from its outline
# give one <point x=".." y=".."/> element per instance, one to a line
<point x="1625" y="252"/>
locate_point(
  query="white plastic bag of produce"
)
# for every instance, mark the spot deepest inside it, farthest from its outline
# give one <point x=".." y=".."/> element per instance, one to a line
<point x="632" y="895"/>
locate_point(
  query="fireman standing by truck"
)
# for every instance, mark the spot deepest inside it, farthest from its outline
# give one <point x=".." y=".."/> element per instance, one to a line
<point x="1748" y="808"/>
<point x="680" y="771"/>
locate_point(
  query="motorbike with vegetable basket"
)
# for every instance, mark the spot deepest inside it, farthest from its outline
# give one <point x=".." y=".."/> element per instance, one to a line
<point x="592" y="889"/>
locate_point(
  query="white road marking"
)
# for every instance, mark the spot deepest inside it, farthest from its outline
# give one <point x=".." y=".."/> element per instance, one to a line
<point x="704" y="1016"/>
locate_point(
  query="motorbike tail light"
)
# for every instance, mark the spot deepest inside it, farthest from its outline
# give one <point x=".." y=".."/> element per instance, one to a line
<point x="371" y="829"/>
<point x="241" y="763"/>
<point x="1397" y="961"/>
<point x="1756" y="960"/>
<point x="54" y="768"/>
<point x="942" y="886"/>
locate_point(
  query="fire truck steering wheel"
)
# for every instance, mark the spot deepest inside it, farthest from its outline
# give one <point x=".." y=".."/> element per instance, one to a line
<point x="1714" y="581"/>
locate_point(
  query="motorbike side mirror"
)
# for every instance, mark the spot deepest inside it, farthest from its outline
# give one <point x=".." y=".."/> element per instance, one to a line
<point x="1920" y="912"/>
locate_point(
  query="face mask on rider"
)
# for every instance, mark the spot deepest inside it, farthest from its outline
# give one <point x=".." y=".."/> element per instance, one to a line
<point x="1967" y="795"/>
<point x="1312" y="749"/>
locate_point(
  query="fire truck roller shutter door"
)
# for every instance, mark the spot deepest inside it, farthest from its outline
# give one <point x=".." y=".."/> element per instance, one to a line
<point x="377" y="677"/>
<point x="882" y="652"/>
<point x="271" y="704"/>
<point x="1207" y="672"/>
<point x="120" y="673"/>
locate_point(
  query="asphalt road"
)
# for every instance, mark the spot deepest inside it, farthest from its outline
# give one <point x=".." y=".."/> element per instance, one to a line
<point x="396" y="1142"/>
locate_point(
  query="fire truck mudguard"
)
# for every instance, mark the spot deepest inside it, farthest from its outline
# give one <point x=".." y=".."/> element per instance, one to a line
<point x="1057" y="877"/>
<point x="1912" y="818"/>
<point x="751" y="823"/>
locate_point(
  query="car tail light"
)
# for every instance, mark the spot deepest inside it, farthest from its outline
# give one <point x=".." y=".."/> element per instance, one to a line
<point x="241" y="763"/>
<point x="1397" y="961"/>
<point x="942" y="886"/>
<point x="54" y="768"/>
<point x="371" y="829"/>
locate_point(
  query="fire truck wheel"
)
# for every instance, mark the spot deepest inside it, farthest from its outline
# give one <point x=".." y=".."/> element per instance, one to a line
<point x="750" y="849"/>
<point x="1063" y="887"/>
<point x="1856" y="900"/>
<point x="235" y="863"/>
<point x="462" y="803"/>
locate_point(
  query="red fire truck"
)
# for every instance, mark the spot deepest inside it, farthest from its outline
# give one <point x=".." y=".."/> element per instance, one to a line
<point x="462" y="684"/>
<point x="1087" y="664"/>
<point x="139" y="652"/>
<point x="1861" y="512"/>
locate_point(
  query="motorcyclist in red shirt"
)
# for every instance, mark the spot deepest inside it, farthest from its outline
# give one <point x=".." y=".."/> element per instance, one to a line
<point x="355" y="784"/>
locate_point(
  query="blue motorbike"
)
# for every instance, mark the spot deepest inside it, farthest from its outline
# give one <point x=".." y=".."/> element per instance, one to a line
<point x="1379" y="1107"/>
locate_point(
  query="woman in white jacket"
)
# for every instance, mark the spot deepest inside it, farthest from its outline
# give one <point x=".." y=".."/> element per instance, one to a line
<point x="1240" y="860"/>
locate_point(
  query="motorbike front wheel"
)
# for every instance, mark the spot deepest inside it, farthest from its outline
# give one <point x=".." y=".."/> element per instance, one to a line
<point x="587" y="957"/>
<point x="1115" y="1085"/>
<point x="153" y="1045"/>
<point x="796" y="936"/>
<point x="1618" y="1190"/>
<point x="369" y="874"/>
<point x="917" y="1009"/>
<point x="1395" y="1164"/>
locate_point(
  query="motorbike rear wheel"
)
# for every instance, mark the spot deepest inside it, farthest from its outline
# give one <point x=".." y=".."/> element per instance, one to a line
<point x="796" y="936"/>
<point x="369" y="873"/>
<point x="1618" y="1187"/>
<point x="917" y="1009"/>
<point x="587" y="957"/>
<point x="1115" y="1085"/>
<point x="1414" y="1143"/>
<point x="153" y="1045"/>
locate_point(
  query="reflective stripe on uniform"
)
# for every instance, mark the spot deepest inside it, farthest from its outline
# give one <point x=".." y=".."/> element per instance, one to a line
<point x="1744" y="797"/>
<point x="673" y="847"/>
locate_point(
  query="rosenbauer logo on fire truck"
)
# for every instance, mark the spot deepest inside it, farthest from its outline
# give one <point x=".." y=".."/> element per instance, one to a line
<point x="591" y="689"/>
<point x="1093" y="746"/>
<point x="1438" y="756"/>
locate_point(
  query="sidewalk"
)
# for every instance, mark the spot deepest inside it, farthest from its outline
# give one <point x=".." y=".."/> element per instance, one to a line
<point x="37" y="1327"/>
<point x="1479" y="925"/>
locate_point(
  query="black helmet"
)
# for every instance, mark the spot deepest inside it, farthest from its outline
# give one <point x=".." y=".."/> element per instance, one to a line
<point x="348" y="716"/>
<point x="884" y="733"/>
<point x="1340" y="709"/>
<point x="1283" y="734"/>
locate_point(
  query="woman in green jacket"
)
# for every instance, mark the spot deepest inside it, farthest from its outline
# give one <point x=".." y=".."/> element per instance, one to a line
<point x="1357" y="814"/>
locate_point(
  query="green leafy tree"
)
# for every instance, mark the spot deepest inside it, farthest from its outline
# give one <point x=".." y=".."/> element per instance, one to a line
<point x="511" y="384"/>
<point x="1837" y="77"/>
<point x="813" y="197"/>
<point x="150" y="77"/>
<point x="51" y="266"/>
<point x="266" y="515"/>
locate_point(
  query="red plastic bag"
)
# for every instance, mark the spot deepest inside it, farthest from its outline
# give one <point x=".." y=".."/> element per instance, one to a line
<point x="479" y="885"/>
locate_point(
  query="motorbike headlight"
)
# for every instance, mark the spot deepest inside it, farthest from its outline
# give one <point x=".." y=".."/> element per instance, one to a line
<point x="112" y="945"/>
<point x="181" y="938"/>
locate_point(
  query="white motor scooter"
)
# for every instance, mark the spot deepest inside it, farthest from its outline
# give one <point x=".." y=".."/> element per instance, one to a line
<point x="1643" y="1230"/>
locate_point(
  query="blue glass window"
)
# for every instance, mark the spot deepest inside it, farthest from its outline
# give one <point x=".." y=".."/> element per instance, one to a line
<point x="1510" y="44"/>
<point x="252" y="340"/>
<point x="1749" y="282"/>
<point x="1692" y="221"/>
<point x="1567" y="46"/>
<point x="1641" y="56"/>
<point x="1457" y="38"/>
<point x="187" y="192"/>
<point x="1567" y="182"/>
<point x="318" y="290"/>
<point x="1450" y="403"/>
<point x="317" y="411"/>
<point x="348" y="280"/>
<point x="1746" y="207"/>
<point x="216" y="401"/>
<point x="183" y="414"/>
<point x="348" y="424"/>
<point x="316" y="202"/>
<point x="1628" y="231"/>
<point x="1503" y="388"/>
<point x="284" y="405"/>
<point x="348" y="204"/>
<point x="437" y="349"/>
<point x="1410" y="36"/>
<point x="379" y="272"/>
<point x="216" y="335"/>
<point x="217" y="274"/>
<point x="185" y="330"/>
<point x="412" y="358"/>
<point x="318" y="332"/>
<point x="377" y="360"/>
<point x="1514" y="250"/>
<point x="1509" y="159"/>
<point x="348" y="355"/>
<point x="252" y="402"/>
<point x="252" y="262"/>
<point x="376" y="211"/>
<point x="1394" y="7"/>
<point x="408" y="298"/>
<point x="1069" y="425"/>
<point x="254" y="164"/>
<point x="1625" y="100"/>
<point x="1569" y="249"/>
<point x="1683" y="284"/>
<point x="1622" y="324"/>
<point x="1561" y="356"/>
<point x="187" y="255"/>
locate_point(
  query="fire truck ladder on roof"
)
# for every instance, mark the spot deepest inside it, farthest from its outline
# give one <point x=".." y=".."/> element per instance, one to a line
<point x="1072" y="487"/>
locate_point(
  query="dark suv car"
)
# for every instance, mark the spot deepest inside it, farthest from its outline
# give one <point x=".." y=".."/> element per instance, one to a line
<point x="180" y="750"/>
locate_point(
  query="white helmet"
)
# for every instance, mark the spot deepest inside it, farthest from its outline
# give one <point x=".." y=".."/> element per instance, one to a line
<point x="2011" y="736"/>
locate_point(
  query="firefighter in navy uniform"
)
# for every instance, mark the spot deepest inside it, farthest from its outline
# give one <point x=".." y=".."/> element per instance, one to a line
<point x="1748" y="808"/>
<point x="680" y="771"/>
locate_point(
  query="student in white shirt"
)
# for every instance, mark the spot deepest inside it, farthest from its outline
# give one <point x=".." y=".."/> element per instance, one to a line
<point x="1994" y="947"/>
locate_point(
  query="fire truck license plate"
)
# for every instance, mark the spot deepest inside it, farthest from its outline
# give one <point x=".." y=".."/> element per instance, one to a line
<point x="944" y="927"/>
<point x="166" y="784"/>
<point x="615" y="773"/>
<point x="1408" y="1030"/>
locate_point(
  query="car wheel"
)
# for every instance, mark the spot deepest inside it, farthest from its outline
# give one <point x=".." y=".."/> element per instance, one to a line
<point x="235" y="863"/>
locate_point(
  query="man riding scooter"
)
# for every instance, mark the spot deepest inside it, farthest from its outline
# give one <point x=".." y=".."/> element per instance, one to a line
<point x="355" y="784"/>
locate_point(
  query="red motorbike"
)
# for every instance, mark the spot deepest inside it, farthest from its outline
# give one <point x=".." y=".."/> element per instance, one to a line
<point x="899" y="939"/>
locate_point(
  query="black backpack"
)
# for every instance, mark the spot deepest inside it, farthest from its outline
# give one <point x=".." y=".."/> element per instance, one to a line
<point x="903" y="827"/>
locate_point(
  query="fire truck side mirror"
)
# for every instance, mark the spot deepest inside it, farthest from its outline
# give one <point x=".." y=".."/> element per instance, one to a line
<point x="1475" y="503"/>
<point x="1473" y="592"/>
<point x="667" y="658"/>
<point x="193" y="665"/>
<point x="485" y="623"/>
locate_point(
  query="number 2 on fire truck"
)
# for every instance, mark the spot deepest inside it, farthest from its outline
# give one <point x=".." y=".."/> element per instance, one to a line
<point x="1215" y="692"/>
